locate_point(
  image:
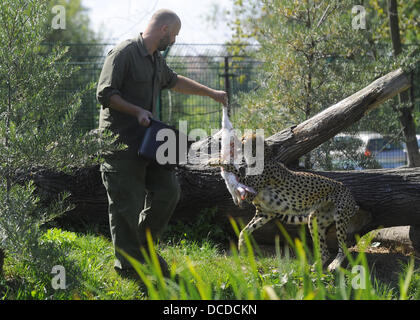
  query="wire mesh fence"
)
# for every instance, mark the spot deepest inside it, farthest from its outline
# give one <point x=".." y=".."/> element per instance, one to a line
<point x="209" y="64"/>
<point x="213" y="66"/>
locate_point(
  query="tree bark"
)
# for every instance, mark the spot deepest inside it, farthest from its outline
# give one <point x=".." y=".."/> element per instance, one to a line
<point x="405" y="111"/>
<point x="406" y="106"/>
<point x="386" y="197"/>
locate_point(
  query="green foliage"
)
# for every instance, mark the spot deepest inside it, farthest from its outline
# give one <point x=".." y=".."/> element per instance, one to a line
<point x="312" y="58"/>
<point x="410" y="281"/>
<point x="88" y="263"/>
<point x="59" y="237"/>
<point x="37" y="130"/>
<point x="201" y="272"/>
<point x="304" y="47"/>
<point x="20" y="228"/>
<point x="83" y="50"/>
<point x="408" y="13"/>
<point x="77" y="31"/>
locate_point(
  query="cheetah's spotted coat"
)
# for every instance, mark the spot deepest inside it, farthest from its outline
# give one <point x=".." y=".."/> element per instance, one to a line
<point x="298" y="198"/>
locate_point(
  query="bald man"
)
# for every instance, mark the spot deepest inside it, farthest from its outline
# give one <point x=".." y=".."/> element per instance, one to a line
<point x="141" y="194"/>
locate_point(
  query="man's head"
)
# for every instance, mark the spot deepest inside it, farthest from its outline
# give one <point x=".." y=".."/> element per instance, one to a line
<point x="164" y="25"/>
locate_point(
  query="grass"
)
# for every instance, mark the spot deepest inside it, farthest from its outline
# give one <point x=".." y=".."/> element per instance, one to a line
<point x="91" y="276"/>
<point x="200" y="269"/>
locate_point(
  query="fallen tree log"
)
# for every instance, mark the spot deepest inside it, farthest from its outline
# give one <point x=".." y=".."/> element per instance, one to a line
<point x="386" y="197"/>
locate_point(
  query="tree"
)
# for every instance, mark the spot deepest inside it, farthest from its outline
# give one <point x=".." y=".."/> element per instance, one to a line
<point x="36" y="128"/>
<point x="84" y="49"/>
<point x="408" y="13"/>
<point x="378" y="17"/>
<point x="406" y="106"/>
<point x="309" y="50"/>
<point x="77" y="32"/>
<point x="314" y="53"/>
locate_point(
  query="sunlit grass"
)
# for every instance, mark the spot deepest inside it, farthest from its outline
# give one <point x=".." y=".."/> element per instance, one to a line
<point x="203" y="270"/>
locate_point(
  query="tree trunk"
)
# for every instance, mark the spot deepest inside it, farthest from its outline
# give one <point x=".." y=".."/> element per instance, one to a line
<point x="406" y="106"/>
<point x="386" y="197"/>
<point x="414" y="235"/>
<point x="405" y="110"/>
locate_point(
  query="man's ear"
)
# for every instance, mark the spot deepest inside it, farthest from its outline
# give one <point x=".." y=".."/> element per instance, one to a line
<point x="164" y="28"/>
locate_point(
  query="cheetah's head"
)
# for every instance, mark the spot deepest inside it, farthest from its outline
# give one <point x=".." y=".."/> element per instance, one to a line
<point x="255" y="148"/>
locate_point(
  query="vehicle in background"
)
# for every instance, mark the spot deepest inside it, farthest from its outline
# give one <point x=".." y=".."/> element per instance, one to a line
<point x="367" y="150"/>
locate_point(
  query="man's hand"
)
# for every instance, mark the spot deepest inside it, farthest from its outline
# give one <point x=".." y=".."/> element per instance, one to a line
<point x="220" y="96"/>
<point x="188" y="86"/>
<point x="143" y="117"/>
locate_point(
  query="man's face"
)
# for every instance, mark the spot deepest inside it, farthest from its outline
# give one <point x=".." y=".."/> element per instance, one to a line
<point x="169" y="38"/>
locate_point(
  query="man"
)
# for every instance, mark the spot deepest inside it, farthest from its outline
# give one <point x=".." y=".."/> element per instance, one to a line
<point x="142" y="195"/>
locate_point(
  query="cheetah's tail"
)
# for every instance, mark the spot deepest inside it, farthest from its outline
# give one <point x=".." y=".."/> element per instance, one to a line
<point x="294" y="219"/>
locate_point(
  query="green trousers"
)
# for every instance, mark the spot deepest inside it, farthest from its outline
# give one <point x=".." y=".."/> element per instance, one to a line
<point x="141" y="195"/>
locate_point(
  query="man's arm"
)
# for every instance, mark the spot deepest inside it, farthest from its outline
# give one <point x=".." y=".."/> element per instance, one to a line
<point x="116" y="102"/>
<point x="189" y="86"/>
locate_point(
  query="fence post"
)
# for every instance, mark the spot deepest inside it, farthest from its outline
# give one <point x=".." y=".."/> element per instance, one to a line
<point x="227" y="82"/>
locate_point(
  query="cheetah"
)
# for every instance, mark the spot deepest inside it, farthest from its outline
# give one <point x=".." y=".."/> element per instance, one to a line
<point x="296" y="198"/>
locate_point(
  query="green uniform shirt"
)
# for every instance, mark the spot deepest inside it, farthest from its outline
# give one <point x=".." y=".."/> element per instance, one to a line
<point x="131" y="72"/>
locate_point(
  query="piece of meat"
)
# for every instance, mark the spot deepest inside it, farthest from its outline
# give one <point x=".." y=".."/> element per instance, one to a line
<point x="229" y="142"/>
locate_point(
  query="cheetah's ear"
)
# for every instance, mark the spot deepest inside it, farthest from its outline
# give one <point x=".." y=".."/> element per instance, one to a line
<point x="248" y="137"/>
<point x="253" y="138"/>
<point x="254" y="146"/>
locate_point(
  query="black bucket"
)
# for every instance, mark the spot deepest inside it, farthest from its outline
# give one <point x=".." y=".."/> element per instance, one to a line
<point x="149" y="145"/>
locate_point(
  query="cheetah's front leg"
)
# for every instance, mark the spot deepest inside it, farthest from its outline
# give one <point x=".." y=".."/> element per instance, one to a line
<point x="256" y="222"/>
